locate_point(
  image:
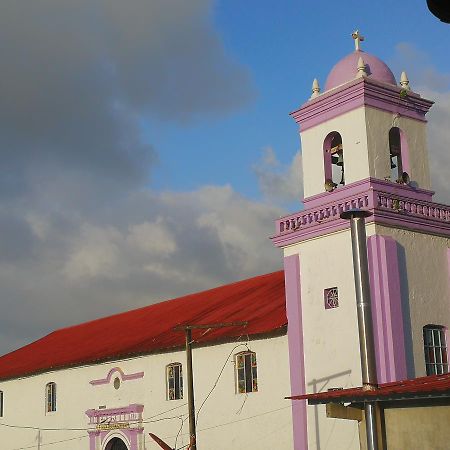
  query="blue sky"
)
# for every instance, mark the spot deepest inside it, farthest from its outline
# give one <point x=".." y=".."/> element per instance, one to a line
<point x="283" y="45"/>
<point x="147" y="146"/>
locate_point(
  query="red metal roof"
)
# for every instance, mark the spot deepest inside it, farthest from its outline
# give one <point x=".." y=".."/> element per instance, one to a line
<point x="260" y="301"/>
<point x="433" y="385"/>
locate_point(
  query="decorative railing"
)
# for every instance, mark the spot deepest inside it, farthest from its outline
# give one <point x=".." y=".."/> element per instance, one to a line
<point x="375" y="200"/>
<point x="417" y="208"/>
<point x="326" y="213"/>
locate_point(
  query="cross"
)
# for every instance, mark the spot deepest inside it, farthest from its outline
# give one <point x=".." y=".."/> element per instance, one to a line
<point x="358" y="38"/>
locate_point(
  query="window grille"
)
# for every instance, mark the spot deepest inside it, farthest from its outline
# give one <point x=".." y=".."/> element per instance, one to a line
<point x="50" y="397"/>
<point x="174" y="373"/>
<point x="435" y="346"/>
<point x="331" y="298"/>
<point x="246" y="372"/>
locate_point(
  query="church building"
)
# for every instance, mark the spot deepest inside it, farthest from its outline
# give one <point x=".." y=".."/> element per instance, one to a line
<point x="107" y="384"/>
<point x="364" y="146"/>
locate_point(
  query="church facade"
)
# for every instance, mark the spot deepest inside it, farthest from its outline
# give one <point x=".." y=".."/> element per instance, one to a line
<point x="363" y="146"/>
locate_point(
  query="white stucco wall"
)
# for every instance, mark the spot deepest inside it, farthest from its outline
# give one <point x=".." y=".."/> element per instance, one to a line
<point x="352" y="128"/>
<point x="331" y="343"/>
<point x="365" y="139"/>
<point x="263" y="421"/>
<point x="378" y="124"/>
<point x="424" y="275"/>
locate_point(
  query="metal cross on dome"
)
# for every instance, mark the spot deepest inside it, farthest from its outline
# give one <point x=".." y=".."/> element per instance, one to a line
<point x="357" y="38"/>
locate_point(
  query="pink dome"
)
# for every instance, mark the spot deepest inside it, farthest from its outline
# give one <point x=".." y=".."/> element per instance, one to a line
<point x="345" y="70"/>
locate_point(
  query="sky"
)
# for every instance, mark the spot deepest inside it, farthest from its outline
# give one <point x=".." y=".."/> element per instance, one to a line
<point x="147" y="146"/>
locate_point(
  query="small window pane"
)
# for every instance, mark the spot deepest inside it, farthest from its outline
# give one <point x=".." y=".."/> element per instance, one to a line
<point x="435" y="348"/>
<point x="246" y="372"/>
<point x="51" y="397"/>
<point x="1" y="403"/>
<point x="174" y="381"/>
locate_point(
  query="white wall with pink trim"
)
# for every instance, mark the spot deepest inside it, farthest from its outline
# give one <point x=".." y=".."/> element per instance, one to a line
<point x="260" y="420"/>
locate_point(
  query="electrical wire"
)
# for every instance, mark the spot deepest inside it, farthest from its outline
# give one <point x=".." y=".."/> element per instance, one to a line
<point x="218" y="377"/>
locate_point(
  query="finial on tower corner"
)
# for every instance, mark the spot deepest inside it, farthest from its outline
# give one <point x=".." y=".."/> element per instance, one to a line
<point x="404" y="82"/>
<point x="361" y="68"/>
<point x="315" y="88"/>
<point x="357" y="38"/>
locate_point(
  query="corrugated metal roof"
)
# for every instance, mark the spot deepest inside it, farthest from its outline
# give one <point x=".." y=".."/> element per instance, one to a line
<point x="431" y="386"/>
<point x="260" y="301"/>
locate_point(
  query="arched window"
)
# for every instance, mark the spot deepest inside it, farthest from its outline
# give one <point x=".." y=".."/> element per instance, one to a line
<point x="246" y="372"/>
<point x="435" y="347"/>
<point x="398" y="155"/>
<point x="50" y="397"/>
<point x="333" y="160"/>
<point x="1" y="403"/>
<point x="174" y="379"/>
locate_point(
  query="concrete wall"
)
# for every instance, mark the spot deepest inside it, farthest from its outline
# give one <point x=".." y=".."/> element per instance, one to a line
<point x="260" y="420"/>
<point x="424" y="428"/>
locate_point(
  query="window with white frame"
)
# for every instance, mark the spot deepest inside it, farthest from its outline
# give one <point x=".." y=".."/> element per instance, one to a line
<point x="174" y="375"/>
<point x="1" y="403"/>
<point x="435" y="346"/>
<point x="50" y="397"/>
<point x="246" y="372"/>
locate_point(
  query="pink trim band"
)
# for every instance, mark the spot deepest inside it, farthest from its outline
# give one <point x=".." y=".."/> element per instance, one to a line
<point x="357" y="93"/>
<point x="123" y="377"/>
<point x="387" y="308"/>
<point x="296" y="353"/>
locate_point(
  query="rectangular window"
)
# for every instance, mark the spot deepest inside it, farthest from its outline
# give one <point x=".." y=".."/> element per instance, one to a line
<point x="435" y="346"/>
<point x="246" y="372"/>
<point x="1" y="403"/>
<point x="174" y="381"/>
<point x="51" y="397"/>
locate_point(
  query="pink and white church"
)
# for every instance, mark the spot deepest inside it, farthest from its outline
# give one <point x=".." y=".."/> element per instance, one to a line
<point x="364" y="145"/>
<point x="105" y="384"/>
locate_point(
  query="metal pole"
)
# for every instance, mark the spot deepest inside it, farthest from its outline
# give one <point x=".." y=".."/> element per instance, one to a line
<point x="191" y="405"/>
<point x="365" y="327"/>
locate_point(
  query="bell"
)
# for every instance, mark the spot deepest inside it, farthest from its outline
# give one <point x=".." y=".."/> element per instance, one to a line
<point x="393" y="165"/>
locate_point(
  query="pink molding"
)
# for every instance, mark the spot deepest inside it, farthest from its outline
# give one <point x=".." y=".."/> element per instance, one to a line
<point x="123" y="377"/>
<point x="296" y="353"/>
<point x="131" y="414"/>
<point x="130" y="409"/>
<point x="391" y="204"/>
<point x="357" y="93"/>
<point x="387" y="308"/>
<point x="448" y="268"/>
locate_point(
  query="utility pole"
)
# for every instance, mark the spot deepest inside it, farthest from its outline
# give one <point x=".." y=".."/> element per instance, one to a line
<point x="191" y="401"/>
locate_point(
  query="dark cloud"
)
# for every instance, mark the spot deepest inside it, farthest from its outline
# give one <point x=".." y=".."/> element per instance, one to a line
<point x="82" y="234"/>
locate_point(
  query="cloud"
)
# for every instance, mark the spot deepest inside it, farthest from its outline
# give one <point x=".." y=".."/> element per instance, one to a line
<point x="83" y="234"/>
<point x="433" y="84"/>
<point x="279" y="183"/>
<point x="112" y="262"/>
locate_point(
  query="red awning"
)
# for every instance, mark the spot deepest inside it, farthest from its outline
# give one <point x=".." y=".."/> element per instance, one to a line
<point x="425" y="387"/>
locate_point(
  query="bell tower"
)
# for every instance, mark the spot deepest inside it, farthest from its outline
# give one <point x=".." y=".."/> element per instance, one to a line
<point x="363" y="126"/>
<point x="363" y="146"/>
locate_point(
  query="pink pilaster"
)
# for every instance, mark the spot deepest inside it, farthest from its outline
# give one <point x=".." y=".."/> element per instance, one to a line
<point x="387" y="308"/>
<point x="296" y="354"/>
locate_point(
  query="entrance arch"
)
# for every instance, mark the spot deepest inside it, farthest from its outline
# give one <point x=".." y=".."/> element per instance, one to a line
<point x="116" y="444"/>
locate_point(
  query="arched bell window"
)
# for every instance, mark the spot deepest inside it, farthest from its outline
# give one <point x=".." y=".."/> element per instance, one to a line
<point x="333" y="159"/>
<point x="398" y="156"/>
